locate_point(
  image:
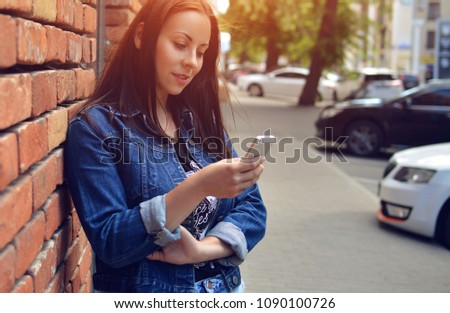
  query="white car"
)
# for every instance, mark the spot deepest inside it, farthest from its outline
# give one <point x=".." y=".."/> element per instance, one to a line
<point x="286" y="81"/>
<point x="377" y="83"/>
<point x="415" y="192"/>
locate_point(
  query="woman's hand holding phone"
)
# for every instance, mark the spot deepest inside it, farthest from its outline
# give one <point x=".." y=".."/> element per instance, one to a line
<point x="228" y="178"/>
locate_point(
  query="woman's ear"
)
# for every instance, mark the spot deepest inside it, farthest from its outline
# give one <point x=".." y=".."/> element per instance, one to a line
<point x="138" y="35"/>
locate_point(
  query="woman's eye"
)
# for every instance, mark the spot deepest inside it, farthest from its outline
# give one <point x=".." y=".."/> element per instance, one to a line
<point x="200" y="54"/>
<point x="180" y="45"/>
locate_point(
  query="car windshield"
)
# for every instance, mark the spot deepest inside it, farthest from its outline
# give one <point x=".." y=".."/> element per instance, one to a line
<point x="406" y="93"/>
<point x="378" y="77"/>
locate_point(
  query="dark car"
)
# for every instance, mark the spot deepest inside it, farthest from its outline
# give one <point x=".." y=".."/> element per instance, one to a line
<point x="419" y="116"/>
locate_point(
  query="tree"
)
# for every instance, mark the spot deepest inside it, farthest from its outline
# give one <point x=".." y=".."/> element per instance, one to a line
<point x="268" y="29"/>
<point x="324" y="44"/>
<point x="262" y="28"/>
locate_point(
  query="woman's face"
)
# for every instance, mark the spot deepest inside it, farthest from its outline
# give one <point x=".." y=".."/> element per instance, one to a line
<point x="180" y="47"/>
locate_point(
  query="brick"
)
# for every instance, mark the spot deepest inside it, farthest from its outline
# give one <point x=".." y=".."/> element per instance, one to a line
<point x="89" y="50"/>
<point x="78" y="16"/>
<point x="85" y="82"/>
<point x="65" y="85"/>
<point x="119" y="16"/>
<point x="63" y="240"/>
<point x="56" y="210"/>
<point x="93" y="49"/>
<point x="74" y="108"/>
<point x="57" y="127"/>
<point x="44" y="181"/>
<point x="59" y="154"/>
<point x="24" y="285"/>
<point x="15" y="99"/>
<point x="44" y="10"/>
<point x="89" y="19"/>
<point x="75" y="280"/>
<point x="43" y="86"/>
<point x="85" y="264"/>
<point x="8" y="48"/>
<point x="56" y="44"/>
<point x="68" y="288"/>
<point x="115" y="33"/>
<point x="73" y="259"/>
<point x="33" y="142"/>
<point x="56" y="283"/>
<point x="44" y="267"/>
<point x="74" y="48"/>
<point x="7" y="259"/>
<point x="23" y="6"/>
<point x="90" y="2"/>
<point x="9" y="159"/>
<point x="135" y="5"/>
<point x="64" y="12"/>
<point x="29" y="242"/>
<point x="76" y="228"/>
<point x="15" y="208"/>
<point x="31" y="42"/>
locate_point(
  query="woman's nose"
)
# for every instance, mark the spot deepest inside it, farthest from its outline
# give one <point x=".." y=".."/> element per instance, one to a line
<point x="191" y="60"/>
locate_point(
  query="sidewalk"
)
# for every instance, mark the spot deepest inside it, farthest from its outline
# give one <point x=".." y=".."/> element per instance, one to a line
<point x="322" y="232"/>
<point x="308" y="209"/>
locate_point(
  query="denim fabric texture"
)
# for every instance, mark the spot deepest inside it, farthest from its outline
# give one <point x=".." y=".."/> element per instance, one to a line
<point x="118" y="179"/>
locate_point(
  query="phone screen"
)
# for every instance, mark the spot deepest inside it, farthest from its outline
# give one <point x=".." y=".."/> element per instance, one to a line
<point x="259" y="146"/>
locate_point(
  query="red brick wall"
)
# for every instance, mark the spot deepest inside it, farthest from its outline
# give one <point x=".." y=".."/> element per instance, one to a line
<point x="46" y="47"/>
<point x="118" y="16"/>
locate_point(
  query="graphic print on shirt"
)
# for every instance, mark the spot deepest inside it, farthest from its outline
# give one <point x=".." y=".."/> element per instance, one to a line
<point x="204" y="211"/>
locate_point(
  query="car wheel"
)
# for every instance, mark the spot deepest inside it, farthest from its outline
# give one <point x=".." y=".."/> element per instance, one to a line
<point x="255" y="90"/>
<point x="364" y="138"/>
<point x="446" y="233"/>
<point x="443" y="225"/>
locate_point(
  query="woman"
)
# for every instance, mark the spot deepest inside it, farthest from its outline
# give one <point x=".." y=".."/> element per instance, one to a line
<point x="164" y="201"/>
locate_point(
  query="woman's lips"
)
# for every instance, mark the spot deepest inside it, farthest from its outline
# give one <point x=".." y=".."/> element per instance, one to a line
<point x="181" y="78"/>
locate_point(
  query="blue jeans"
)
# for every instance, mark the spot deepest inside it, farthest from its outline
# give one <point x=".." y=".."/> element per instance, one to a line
<point x="216" y="285"/>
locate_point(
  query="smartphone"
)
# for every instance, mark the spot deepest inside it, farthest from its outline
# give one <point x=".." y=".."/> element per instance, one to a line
<point x="260" y="145"/>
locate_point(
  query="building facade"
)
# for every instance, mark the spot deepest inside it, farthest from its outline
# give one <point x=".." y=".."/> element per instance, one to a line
<point x="426" y="13"/>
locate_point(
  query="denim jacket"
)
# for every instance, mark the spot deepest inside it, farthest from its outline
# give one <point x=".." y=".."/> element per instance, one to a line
<point x="118" y="179"/>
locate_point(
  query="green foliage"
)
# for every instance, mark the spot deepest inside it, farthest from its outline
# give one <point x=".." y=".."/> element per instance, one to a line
<point x="295" y="26"/>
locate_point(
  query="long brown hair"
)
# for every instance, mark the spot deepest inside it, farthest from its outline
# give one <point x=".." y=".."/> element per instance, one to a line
<point x="128" y="81"/>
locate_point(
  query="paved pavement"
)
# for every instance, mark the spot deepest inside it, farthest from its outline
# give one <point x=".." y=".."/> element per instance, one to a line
<point x="322" y="233"/>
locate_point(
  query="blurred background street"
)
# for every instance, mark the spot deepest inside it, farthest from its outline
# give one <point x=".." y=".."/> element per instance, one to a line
<point x="378" y="74"/>
<point x="323" y="235"/>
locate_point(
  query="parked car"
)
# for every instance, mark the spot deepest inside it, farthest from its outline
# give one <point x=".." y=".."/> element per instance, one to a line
<point x="286" y="81"/>
<point x="415" y="192"/>
<point x="419" y="116"/>
<point x="244" y="71"/>
<point x="375" y="83"/>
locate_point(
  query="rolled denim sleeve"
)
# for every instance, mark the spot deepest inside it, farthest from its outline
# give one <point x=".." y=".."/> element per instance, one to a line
<point x="153" y="213"/>
<point x="232" y="235"/>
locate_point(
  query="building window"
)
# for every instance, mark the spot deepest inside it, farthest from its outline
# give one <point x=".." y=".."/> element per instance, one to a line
<point x="431" y="37"/>
<point x="433" y="10"/>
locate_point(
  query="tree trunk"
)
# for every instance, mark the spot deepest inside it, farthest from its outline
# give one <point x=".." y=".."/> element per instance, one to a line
<point x="322" y="45"/>
<point x="272" y="50"/>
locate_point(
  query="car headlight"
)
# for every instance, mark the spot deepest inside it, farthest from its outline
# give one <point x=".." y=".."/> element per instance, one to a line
<point x="412" y="175"/>
<point x="330" y="112"/>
